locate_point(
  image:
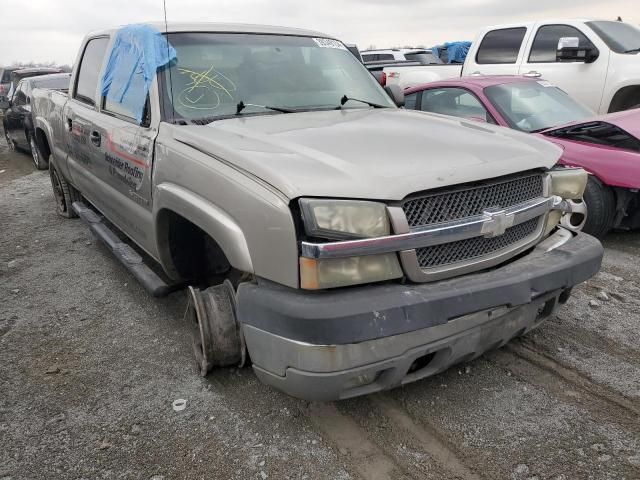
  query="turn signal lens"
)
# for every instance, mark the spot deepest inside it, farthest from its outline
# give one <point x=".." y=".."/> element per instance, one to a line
<point x="340" y="272"/>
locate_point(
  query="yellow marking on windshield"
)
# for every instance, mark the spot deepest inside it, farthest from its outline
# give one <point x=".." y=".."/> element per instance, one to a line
<point x="209" y="83"/>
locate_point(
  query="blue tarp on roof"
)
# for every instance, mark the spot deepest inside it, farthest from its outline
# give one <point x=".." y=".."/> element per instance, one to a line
<point x="137" y="53"/>
<point x="456" y="51"/>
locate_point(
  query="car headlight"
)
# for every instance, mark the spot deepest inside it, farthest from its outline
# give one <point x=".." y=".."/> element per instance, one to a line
<point x="340" y="219"/>
<point x="569" y="184"/>
<point x="343" y="220"/>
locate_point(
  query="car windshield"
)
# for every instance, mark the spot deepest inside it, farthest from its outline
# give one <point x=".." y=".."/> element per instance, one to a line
<point x="535" y="106"/>
<point x="619" y="37"/>
<point x="215" y="72"/>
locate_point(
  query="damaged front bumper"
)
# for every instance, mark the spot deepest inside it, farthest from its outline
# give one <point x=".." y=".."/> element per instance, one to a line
<point x="344" y="343"/>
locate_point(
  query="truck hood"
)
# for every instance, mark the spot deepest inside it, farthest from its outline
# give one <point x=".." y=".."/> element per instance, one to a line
<point x="382" y="154"/>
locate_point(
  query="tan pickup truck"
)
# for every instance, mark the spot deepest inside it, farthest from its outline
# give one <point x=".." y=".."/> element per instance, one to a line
<point x="347" y="245"/>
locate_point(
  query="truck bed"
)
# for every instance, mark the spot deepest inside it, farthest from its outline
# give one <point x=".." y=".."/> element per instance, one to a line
<point x="407" y="76"/>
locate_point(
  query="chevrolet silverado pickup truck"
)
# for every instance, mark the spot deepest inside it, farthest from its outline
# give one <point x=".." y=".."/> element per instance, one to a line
<point x="596" y="62"/>
<point x="342" y="244"/>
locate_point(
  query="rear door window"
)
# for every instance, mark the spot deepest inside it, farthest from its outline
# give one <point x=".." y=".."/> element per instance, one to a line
<point x="545" y="45"/>
<point x="501" y="46"/>
<point x="90" y="67"/>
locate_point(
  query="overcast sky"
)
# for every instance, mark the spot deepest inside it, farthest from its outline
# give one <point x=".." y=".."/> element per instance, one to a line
<point x="51" y="30"/>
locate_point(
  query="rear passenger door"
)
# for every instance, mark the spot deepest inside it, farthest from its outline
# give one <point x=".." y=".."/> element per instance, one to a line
<point x="81" y="113"/>
<point x="500" y="52"/>
<point x="583" y="81"/>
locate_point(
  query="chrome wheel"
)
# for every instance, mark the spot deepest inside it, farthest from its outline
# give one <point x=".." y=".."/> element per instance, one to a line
<point x="577" y="217"/>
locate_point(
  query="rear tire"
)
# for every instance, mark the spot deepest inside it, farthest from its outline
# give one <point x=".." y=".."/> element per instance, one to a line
<point x="63" y="193"/>
<point x="601" y="208"/>
<point x="38" y="160"/>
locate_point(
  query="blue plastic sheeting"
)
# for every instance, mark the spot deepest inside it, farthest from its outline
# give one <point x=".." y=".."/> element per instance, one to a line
<point x="456" y="51"/>
<point x="137" y="53"/>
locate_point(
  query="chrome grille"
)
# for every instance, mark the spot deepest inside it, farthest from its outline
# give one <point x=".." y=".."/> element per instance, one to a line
<point x="474" y="248"/>
<point x="472" y="200"/>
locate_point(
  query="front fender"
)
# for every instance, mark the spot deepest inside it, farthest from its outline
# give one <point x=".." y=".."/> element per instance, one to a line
<point x="211" y="219"/>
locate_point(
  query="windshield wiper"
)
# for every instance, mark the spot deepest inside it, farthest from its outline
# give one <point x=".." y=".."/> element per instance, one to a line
<point x="241" y="106"/>
<point x="633" y="50"/>
<point x="345" y="99"/>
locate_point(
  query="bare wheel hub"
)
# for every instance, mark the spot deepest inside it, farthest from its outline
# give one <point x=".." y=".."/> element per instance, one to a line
<point x="217" y="337"/>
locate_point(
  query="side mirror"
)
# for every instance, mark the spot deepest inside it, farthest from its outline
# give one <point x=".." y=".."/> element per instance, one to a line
<point x="569" y="50"/>
<point x="396" y="94"/>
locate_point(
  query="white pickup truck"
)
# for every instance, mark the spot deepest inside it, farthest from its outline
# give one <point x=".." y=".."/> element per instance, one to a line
<point x="596" y="62"/>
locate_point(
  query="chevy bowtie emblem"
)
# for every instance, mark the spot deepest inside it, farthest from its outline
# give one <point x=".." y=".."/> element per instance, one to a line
<point x="496" y="223"/>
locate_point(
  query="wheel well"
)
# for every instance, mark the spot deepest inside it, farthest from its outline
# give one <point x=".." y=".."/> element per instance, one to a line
<point x="195" y="256"/>
<point x="625" y="98"/>
<point x="43" y="144"/>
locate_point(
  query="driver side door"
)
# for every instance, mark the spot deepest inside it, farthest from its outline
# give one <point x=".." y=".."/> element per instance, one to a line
<point x="582" y="81"/>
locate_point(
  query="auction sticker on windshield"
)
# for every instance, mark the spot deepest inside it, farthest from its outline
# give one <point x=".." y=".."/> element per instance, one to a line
<point x="329" y="43"/>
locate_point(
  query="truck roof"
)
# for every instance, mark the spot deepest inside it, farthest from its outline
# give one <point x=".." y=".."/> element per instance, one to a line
<point x="533" y="22"/>
<point x="215" y="27"/>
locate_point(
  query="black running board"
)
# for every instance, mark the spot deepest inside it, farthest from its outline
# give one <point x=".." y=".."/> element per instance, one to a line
<point x="132" y="260"/>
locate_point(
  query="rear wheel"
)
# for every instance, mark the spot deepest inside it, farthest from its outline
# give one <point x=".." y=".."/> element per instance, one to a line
<point x="38" y="160"/>
<point x="63" y="193"/>
<point x="601" y="208"/>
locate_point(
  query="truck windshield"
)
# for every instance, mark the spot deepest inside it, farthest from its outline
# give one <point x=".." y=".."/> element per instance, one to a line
<point x="214" y="72"/>
<point x="535" y="106"/>
<point x="619" y="37"/>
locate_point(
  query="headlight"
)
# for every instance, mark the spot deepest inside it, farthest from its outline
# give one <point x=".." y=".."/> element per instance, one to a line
<point x="341" y="272"/>
<point x="568" y="182"/>
<point x="339" y="219"/>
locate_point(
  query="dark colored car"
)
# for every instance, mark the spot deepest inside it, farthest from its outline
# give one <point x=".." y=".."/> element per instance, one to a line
<point x="17" y="121"/>
<point x="18" y="74"/>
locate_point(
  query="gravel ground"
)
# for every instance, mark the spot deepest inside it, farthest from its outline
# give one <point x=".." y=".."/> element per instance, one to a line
<point x="90" y="366"/>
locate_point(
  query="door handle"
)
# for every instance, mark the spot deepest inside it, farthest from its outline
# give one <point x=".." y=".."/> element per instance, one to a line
<point x="69" y="124"/>
<point x="532" y="74"/>
<point x="95" y="138"/>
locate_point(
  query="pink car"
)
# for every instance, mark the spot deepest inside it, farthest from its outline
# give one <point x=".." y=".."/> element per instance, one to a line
<point x="607" y="146"/>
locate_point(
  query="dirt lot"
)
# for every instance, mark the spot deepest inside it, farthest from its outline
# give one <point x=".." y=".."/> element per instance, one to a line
<point x="90" y="366"/>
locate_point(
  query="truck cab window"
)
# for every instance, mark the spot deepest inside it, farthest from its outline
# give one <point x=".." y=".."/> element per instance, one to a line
<point x="501" y="46"/>
<point x="90" y="66"/>
<point x="545" y="44"/>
